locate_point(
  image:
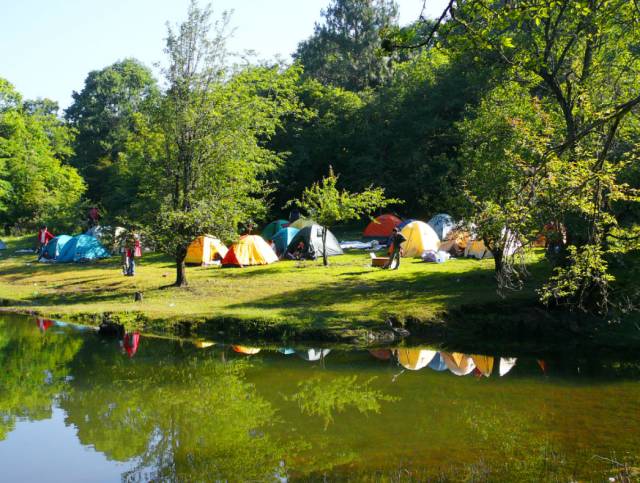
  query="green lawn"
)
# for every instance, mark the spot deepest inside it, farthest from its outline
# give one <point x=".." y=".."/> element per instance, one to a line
<point x="349" y="293"/>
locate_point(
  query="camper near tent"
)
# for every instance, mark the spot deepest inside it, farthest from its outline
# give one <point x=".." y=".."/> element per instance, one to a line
<point x="310" y="238"/>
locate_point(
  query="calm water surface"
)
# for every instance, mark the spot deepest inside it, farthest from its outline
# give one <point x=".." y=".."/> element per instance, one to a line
<point x="75" y="406"/>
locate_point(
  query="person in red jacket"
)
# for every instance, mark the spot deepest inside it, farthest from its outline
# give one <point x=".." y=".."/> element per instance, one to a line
<point x="44" y="236"/>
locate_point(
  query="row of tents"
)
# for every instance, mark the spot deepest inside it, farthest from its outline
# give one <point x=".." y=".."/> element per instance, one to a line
<point x="304" y="242"/>
<point x="440" y="233"/>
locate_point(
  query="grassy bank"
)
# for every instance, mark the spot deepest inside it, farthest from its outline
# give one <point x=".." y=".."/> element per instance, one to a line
<point x="349" y="294"/>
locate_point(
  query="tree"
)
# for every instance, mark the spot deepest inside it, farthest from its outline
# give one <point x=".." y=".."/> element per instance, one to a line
<point x="36" y="184"/>
<point x="328" y="205"/>
<point x="104" y="114"/>
<point x="345" y="49"/>
<point x="213" y="124"/>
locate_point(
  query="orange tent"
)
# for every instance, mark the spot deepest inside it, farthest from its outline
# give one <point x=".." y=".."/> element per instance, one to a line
<point x="382" y="226"/>
<point x="250" y="250"/>
<point x="245" y="350"/>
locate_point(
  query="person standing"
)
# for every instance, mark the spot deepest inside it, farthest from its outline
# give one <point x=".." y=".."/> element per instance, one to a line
<point x="397" y="239"/>
<point x="44" y="236"/>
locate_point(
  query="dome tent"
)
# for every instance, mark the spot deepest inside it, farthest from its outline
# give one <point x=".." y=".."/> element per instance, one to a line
<point x="311" y="238"/>
<point x="3" y="245"/>
<point x="204" y="250"/>
<point x="414" y="359"/>
<point x="442" y="224"/>
<point x="249" y="250"/>
<point x="82" y="248"/>
<point x="54" y="247"/>
<point x="382" y="226"/>
<point x="420" y="238"/>
<point x="282" y="239"/>
<point x="272" y="228"/>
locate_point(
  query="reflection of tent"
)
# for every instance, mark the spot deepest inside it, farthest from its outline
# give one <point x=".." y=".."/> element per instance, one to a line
<point x="414" y="359"/>
<point x="437" y="363"/>
<point x="442" y="224"/>
<point x="382" y="354"/>
<point x="130" y="343"/>
<point x="282" y="239"/>
<point x="245" y="350"/>
<point x="272" y="228"/>
<point x="313" y="354"/>
<point x="54" y="247"/>
<point x="420" y="237"/>
<point x="250" y="250"/>
<point x="3" y="245"/>
<point x="484" y="364"/>
<point x="204" y="250"/>
<point x="203" y="344"/>
<point x="43" y="324"/>
<point x="311" y="237"/>
<point x="382" y="226"/>
<point x="82" y="248"/>
<point x="301" y="223"/>
<point x="506" y="364"/>
<point x="287" y="351"/>
<point x="458" y="364"/>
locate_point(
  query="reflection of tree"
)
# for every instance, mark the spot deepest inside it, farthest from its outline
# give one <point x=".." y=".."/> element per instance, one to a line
<point x="181" y="418"/>
<point x="320" y="397"/>
<point x="34" y="370"/>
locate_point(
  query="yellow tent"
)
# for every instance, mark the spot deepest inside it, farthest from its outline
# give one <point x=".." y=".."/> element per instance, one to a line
<point x="484" y="364"/>
<point x="459" y="364"/>
<point x="420" y="237"/>
<point x="204" y="250"/>
<point x="414" y="359"/>
<point x="477" y="249"/>
<point x="245" y="350"/>
<point x="250" y="250"/>
<point x="301" y="223"/>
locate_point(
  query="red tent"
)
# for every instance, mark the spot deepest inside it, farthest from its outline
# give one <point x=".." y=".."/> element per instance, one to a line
<point x="382" y="226"/>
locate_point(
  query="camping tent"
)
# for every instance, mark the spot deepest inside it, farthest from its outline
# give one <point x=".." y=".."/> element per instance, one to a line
<point x="506" y="364"/>
<point x="3" y="245"/>
<point x="442" y="224"/>
<point x="477" y="249"/>
<point x="81" y="248"/>
<point x="456" y="242"/>
<point x="272" y="228"/>
<point x="282" y="239"/>
<point x="437" y="363"/>
<point x="54" y="247"/>
<point x="301" y="223"/>
<point x="204" y="250"/>
<point x="250" y="250"/>
<point x="382" y="226"/>
<point x="313" y="355"/>
<point x="420" y="237"/>
<point x="414" y="359"/>
<point x="458" y="364"/>
<point x="484" y="364"/>
<point x="242" y="349"/>
<point x="311" y="237"/>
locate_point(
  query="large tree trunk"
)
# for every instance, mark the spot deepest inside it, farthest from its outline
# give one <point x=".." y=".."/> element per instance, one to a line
<point x="181" y="268"/>
<point x="325" y="259"/>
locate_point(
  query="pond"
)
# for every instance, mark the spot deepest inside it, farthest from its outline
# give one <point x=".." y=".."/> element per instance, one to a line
<point x="78" y="406"/>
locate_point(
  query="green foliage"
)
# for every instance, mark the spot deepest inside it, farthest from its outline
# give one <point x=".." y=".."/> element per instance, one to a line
<point x="208" y="171"/>
<point x="328" y="205"/>
<point x="36" y="184"/>
<point x="345" y="50"/>
<point x="324" y="398"/>
<point x="105" y="113"/>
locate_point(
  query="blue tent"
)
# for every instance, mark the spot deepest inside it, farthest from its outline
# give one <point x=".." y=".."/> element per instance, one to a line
<point x="55" y="246"/>
<point x="283" y="238"/>
<point x="437" y="363"/>
<point x="82" y="248"/>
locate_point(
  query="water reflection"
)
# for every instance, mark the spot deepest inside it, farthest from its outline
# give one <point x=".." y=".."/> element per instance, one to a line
<point x="202" y="410"/>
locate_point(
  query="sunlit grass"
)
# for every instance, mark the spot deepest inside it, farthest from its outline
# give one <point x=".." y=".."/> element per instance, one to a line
<point x="347" y="293"/>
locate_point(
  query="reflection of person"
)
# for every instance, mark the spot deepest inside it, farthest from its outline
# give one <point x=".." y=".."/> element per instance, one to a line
<point x="397" y="239"/>
<point x="44" y="236"/>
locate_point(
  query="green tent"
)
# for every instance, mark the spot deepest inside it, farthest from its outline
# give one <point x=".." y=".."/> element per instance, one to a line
<point x="272" y="228"/>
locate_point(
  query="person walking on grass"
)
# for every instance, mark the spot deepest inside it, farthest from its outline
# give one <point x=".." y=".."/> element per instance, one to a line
<point x="397" y="239"/>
